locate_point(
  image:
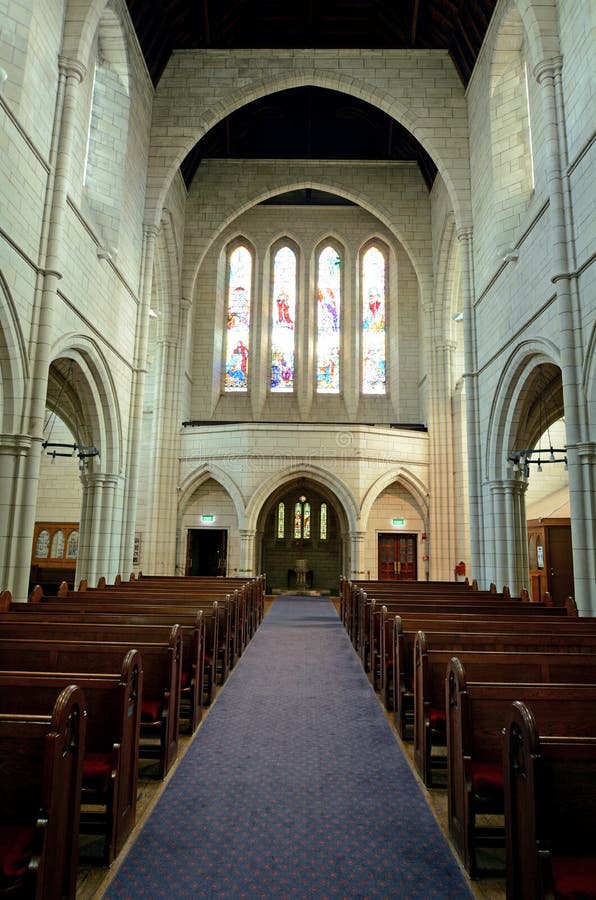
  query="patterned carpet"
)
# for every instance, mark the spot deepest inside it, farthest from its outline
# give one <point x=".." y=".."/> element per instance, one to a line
<point x="294" y="786"/>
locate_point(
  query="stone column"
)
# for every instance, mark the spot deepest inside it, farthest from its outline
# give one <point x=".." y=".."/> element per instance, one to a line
<point x="477" y="532"/>
<point x="564" y="276"/>
<point x="247" y="553"/>
<point x="135" y="419"/>
<point x="442" y="505"/>
<point x="356" y="550"/>
<point x="510" y="534"/>
<point x="24" y="496"/>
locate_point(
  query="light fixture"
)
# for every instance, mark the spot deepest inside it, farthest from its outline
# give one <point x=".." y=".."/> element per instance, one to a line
<point x="522" y="459"/>
<point x="458" y="317"/>
<point x="58" y="448"/>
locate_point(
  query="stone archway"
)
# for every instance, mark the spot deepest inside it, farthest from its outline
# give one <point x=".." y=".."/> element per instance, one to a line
<point x="302" y="520"/>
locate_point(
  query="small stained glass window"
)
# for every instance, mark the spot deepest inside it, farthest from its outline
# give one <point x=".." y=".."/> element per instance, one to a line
<point x="306" y="521"/>
<point x="238" y="319"/>
<point x="323" y="522"/>
<point x="72" y="545"/>
<point x="58" y="545"/>
<point x="42" y="546"/>
<point x="281" y="520"/>
<point x="298" y="521"/>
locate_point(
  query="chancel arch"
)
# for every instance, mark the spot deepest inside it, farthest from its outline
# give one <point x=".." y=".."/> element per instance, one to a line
<point x="302" y="526"/>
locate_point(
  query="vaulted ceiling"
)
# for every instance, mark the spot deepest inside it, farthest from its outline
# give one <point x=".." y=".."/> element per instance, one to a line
<point x="310" y="123"/>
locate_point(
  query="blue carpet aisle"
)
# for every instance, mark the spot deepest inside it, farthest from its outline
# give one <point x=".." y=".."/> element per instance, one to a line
<point x="294" y="785"/>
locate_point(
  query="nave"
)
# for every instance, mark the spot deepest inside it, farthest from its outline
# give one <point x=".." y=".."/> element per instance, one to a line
<point x="297" y="773"/>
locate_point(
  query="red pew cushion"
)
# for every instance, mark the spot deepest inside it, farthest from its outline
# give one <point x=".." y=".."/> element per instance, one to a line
<point x="97" y="770"/>
<point x="487" y="776"/>
<point x="150" y="711"/>
<point x="574" y="877"/>
<point x="16" y="849"/>
<point x="437" y="719"/>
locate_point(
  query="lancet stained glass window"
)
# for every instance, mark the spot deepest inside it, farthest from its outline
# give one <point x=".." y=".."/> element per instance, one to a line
<point x="323" y="522"/>
<point x="281" y="520"/>
<point x="283" y="321"/>
<point x="328" y="320"/>
<point x="238" y="319"/>
<point x="373" y="322"/>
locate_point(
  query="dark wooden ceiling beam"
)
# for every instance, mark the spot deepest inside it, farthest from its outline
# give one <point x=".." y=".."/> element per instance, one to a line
<point x="414" y="28"/>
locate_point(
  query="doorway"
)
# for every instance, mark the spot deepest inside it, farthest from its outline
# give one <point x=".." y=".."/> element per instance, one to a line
<point x="397" y="557"/>
<point x="206" y="551"/>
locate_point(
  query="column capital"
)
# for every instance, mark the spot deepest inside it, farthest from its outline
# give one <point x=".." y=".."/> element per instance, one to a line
<point x="548" y="68"/>
<point x="72" y="68"/>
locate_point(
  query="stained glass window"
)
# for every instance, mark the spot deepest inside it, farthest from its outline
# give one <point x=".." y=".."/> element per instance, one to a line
<point x="58" y="545"/>
<point x="283" y="321"/>
<point x="238" y="319"/>
<point x="306" y="521"/>
<point x="298" y="521"/>
<point x="281" y="520"/>
<point x="373" y="322"/>
<point x="42" y="547"/>
<point x="323" y="522"/>
<point x="328" y="320"/>
<point x="72" y="547"/>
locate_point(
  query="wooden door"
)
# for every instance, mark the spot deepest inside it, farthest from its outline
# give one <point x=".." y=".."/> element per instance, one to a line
<point x="397" y="557"/>
<point x="551" y="559"/>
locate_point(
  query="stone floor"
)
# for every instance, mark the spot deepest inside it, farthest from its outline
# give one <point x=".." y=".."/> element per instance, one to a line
<point x="93" y="880"/>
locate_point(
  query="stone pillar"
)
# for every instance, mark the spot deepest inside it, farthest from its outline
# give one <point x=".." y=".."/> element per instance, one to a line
<point x="247" y="553"/>
<point x="135" y="420"/>
<point x="564" y="276"/>
<point x="442" y="505"/>
<point x="160" y="526"/>
<point x="43" y="334"/>
<point x="477" y="533"/>
<point x="356" y="551"/>
<point x="97" y="519"/>
<point x="510" y="534"/>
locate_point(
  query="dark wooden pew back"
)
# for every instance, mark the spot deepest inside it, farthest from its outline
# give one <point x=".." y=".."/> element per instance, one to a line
<point x="40" y="790"/>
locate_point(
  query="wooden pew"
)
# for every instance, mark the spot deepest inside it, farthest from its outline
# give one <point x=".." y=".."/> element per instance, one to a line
<point x="161" y="681"/>
<point x="550" y="810"/>
<point x="112" y="708"/>
<point x="532" y="663"/>
<point x="476" y="715"/>
<point x="367" y="634"/>
<point x="217" y="634"/>
<point x="121" y="628"/>
<point x="138" y="614"/>
<point x="40" y="790"/>
<point x="575" y="634"/>
<point x="373" y="636"/>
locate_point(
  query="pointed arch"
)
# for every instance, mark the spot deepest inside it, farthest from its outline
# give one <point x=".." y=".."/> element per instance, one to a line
<point x="406" y="479"/>
<point x="511" y="402"/>
<point x="202" y="474"/>
<point x="14" y="364"/>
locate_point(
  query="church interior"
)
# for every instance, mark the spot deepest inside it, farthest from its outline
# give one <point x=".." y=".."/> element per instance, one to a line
<point x="304" y="292"/>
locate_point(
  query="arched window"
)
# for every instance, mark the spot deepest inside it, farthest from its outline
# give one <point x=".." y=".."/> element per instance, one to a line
<point x="238" y="318"/>
<point x="281" y="521"/>
<point x="302" y="519"/>
<point x="323" y="522"/>
<point x="57" y="551"/>
<point x="328" y="320"/>
<point x="373" y="321"/>
<point x="283" y="321"/>
<point x="42" y="547"/>
<point x="72" y="547"/>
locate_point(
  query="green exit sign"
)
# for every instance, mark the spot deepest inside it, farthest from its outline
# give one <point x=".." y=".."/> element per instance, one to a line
<point x="397" y="523"/>
<point x="207" y="519"/>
